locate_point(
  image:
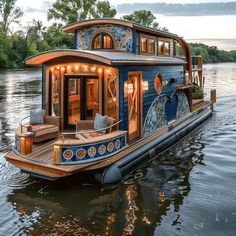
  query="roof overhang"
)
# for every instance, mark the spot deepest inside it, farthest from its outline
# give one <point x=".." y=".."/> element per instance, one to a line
<point x="50" y="55"/>
<point x="87" y="23"/>
<point x="105" y="57"/>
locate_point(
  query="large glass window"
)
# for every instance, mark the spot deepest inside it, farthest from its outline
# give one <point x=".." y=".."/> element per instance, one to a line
<point x="103" y="41"/>
<point x="167" y="48"/>
<point x="147" y="45"/>
<point x="151" y="46"/>
<point x="163" y="48"/>
<point x="143" y="44"/>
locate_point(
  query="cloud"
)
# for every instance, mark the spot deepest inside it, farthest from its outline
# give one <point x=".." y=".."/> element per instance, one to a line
<point x="37" y="6"/>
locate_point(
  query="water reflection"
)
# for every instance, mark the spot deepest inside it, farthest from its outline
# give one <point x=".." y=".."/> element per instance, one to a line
<point x="135" y="207"/>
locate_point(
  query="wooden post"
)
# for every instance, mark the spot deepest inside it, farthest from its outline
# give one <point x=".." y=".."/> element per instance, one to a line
<point x="26" y="143"/>
<point x="57" y="154"/>
<point x="213" y="95"/>
<point x="200" y="62"/>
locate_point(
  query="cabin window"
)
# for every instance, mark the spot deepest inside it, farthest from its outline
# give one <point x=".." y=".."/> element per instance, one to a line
<point x="147" y="45"/>
<point x="143" y="44"/>
<point x="54" y="93"/>
<point x="158" y="83"/>
<point x="103" y="41"/>
<point x="166" y="48"/>
<point x="163" y="48"/>
<point x="151" y="46"/>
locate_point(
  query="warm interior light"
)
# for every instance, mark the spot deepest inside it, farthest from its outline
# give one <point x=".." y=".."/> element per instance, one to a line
<point x="130" y="88"/>
<point x="52" y="69"/>
<point x="93" y="68"/>
<point x="100" y="70"/>
<point x="68" y="67"/>
<point x="86" y="67"/>
<point x="62" y="69"/>
<point x="108" y="71"/>
<point x="58" y="67"/>
<point x="145" y="85"/>
<point x="76" y="67"/>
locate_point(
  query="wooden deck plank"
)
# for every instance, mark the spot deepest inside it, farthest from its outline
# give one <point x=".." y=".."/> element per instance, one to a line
<point x="43" y="152"/>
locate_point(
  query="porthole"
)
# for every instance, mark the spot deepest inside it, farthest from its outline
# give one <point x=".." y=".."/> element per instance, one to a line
<point x="158" y="83"/>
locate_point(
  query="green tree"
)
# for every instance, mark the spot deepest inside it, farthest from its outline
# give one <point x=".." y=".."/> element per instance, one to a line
<point x="9" y="13"/>
<point x="143" y="17"/>
<point x="55" y="38"/>
<point x="5" y="47"/>
<point x="103" y="9"/>
<point x="70" y="11"/>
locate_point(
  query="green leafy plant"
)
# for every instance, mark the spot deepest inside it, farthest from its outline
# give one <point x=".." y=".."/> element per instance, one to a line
<point x="197" y="92"/>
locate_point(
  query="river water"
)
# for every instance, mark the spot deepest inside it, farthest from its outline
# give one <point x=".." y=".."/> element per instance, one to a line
<point x="190" y="189"/>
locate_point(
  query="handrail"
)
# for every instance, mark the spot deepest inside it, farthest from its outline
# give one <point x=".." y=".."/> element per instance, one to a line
<point x="91" y="131"/>
<point x="21" y="125"/>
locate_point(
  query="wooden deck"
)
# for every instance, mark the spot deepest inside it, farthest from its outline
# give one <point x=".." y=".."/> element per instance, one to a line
<point x="43" y="152"/>
<point x="199" y="104"/>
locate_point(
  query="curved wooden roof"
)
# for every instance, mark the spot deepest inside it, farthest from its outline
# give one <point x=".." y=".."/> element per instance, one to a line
<point x="107" y="58"/>
<point x="87" y="23"/>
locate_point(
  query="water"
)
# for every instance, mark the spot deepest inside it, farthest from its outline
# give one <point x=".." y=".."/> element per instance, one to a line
<point x="188" y="190"/>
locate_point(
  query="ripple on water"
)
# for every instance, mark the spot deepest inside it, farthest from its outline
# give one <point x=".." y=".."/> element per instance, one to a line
<point x="11" y="176"/>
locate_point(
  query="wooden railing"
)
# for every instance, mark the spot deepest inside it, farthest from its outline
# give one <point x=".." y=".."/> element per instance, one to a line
<point x="90" y="131"/>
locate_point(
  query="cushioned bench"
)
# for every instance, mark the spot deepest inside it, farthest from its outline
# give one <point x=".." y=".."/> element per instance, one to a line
<point x="87" y="130"/>
<point x="41" y="132"/>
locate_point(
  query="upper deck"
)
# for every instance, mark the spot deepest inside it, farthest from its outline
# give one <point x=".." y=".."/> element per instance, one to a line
<point x="123" y="36"/>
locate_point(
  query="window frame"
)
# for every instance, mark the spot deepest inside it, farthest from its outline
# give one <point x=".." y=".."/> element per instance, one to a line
<point x="148" y="39"/>
<point x="102" y="35"/>
<point x="165" y="42"/>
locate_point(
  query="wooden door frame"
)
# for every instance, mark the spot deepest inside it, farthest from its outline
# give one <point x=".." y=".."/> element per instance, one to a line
<point x="83" y="113"/>
<point x="139" y="74"/>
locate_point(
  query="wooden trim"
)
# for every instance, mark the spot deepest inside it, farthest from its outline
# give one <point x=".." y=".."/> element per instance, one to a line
<point x="153" y="31"/>
<point x="147" y="63"/>
<point x="49" y="55"/>
<point x="87" y="23"/>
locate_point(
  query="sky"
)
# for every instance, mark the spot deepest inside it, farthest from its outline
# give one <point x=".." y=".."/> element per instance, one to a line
<point x="197" y="27"/>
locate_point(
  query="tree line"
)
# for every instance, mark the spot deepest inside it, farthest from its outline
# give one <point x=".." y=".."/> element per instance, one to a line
<point x="211" y="54"/>
<point x="34" y="37"/>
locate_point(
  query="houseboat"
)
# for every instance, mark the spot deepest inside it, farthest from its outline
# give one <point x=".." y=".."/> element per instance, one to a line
<point x="120" y="97"/>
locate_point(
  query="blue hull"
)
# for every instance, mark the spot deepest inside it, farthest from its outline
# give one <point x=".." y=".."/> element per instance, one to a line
<point x="117" y="171"/>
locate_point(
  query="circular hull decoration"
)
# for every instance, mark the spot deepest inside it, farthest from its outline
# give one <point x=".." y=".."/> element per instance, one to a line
<point x="101" y="149"/>
<point x="110" y="147"/>
<point x="92" y="151"/>
<point x="68" y="154"/>
<point x="80" y="153"/>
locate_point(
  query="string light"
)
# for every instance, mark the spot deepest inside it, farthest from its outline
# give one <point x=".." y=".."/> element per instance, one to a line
<point x="93" y="68"/>
<point x="76" y="67"/>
